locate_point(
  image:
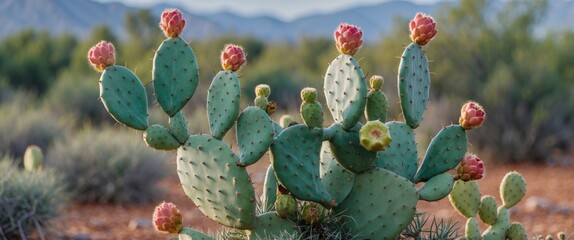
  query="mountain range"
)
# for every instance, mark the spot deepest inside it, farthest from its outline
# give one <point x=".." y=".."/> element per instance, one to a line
<point x="77" y="17"/>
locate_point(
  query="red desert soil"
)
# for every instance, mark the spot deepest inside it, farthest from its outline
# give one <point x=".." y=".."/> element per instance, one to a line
<point x="547" y="208"/>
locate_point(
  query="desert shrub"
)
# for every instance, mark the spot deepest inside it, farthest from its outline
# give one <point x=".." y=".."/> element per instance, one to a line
<point x="108" y="166"/>
<point x="22" y="124"/>
<point x="28" y="200"/>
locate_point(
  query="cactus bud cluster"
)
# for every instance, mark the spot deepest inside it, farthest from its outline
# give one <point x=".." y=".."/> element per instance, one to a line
<point x="102" y="55"/>
<point x="422" y="29"/>
<point x="471" y="168"/>
<point x="471" y="115"/>
<point x="232" y="57"/>
<point x="172" y="23"/>
<point x="167" y="218"/>
<point x="348" y="38"/>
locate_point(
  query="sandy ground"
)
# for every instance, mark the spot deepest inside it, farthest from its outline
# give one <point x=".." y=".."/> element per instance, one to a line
<point x="547" y="208"/>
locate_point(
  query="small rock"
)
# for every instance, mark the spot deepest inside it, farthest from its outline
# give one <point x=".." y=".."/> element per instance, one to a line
<point x="139" y="223"/>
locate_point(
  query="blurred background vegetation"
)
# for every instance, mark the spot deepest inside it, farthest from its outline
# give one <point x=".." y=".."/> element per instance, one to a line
<point x="48" y="93"/>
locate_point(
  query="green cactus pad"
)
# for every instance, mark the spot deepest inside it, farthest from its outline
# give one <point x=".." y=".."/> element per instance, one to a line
<point x="295" y="159"/>
<point x="312" y="114"/>
<point x="414" y="84"/>
<point x="487" y="210"/>
<point x="223" y="103"/>
<point x="465" y="197"/>
<point x="271" y="226"/>
<point x="216" y="185"/>
<point x="178" y="127"/>
<point x="175" y="74"/>
<point x="124" y="96"/>
<point x="160" y="138"/>
<point x="347" y="149"/>
<point x="336" y="179"/>
<point x="269" y="189"/>
<point x="472" y="230"/>
<point x="498" y="230"/>
<point x="192" y="234"/>
<point x="516" y="232"/>
<point x="401" y="156"/>
<point x="512" y="189"/>
<point x="377" y="106"/>
<point x="381" y="205"/>
<point x="437" y="187"/>
<point x="345" y="90"/>
<point x="285" y="206"/>
<point x="445" y="152"/>
<point x="254" y="135"/>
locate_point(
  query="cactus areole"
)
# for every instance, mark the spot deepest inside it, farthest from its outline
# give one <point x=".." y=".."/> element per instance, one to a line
<point x="367" y="172"/>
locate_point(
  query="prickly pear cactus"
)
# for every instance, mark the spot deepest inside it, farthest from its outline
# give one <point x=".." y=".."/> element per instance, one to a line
<point x="360" y="176"/>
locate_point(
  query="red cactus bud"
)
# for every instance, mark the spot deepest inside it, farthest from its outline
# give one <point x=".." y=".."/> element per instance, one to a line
<point x="470" y="168"/>
<point x="232" y="57"/>
<point x="166" y="218"/>
<point x="172" y="23"/>
<point x="471" y="115"/>
<point x="422" y="29"/>
<point x="102" y="55"/>
<point x="348" y="38"/>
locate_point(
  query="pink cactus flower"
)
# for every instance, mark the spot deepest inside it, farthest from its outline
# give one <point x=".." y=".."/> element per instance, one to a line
<point x="470" y="168"/>
<point x="102" y="55"/>
<point x="172" y="23"/>
<point x="348" y="38"/>
<point x="422" y="29"/>
<point x="166" y="218"/>
<point x="232" y="57"/>
<point x="471" y="115"/>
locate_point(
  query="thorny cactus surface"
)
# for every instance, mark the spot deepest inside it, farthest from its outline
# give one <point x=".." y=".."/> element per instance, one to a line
<point x="366" y="173"/>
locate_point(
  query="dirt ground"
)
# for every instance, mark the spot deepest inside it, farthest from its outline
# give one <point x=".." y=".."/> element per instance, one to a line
<point x="547" y="208"/>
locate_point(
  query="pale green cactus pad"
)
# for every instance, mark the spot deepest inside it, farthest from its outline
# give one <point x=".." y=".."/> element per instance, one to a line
<point x="295" y="159"/>
<point x="175" y="74"/>
<point x="269" y="189"/>
<point x="414" y="84"/>
<point x="178" y="127"/>
<point x="160" y="138"/>
<point x="271" y="226"/>
<point x="124" y="96"/>
<point x="382" y="197"/>
<point x="223" y="103"/>
<point x="487" y="210"/>
<point x="377" y="106"/>
<point x="516" y="232"/>
<point x="465" y="197"/>
<point x="345" y="90"/>
<point x="254" y="133"/>
<point x="498" y="230"/>
<point x="401" y="156"/>
<point x="336" y="179"/>
<point x="445" y="152"/>
<point x="512" y="189"/>
<point x="192" y="234"/>
<point x="220" y="189"/>
<point x="472" y="230"/>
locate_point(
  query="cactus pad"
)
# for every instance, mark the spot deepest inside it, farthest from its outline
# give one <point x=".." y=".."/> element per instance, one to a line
<point x="377" y="106"/>
<point x="269" y="189"/>
<point x="175" y="74"/>
<point x="271" y="226"/>
<point x="512" y="189"/>
<point x="516" y="232"/>
<point x="498" y="230"/>
<point x="312" y="114"/>
<point x="160" y="138"/>
<point x="437" y="187"/>
<point x="192" y="234"/>
<point x="414" y="84"/>
<point x="336" y="179"/>
<point x="401" y="156"/>
<point x="487" y="210"/>
<point x="472" y="230"/>
<point x="347" y="149"/>
<point x="220" y="189"/>
<point x="445" y="152"/>
<point x="295" y="159"/>
<point x="345" y="90"/>
<point x="254" y="135"/>
<point x="178" y="127"/>
<point x="465" y="197"/>
<point x="223" y="103"/>
<point x="381" y="204"/>
<point x="124" y="96"/>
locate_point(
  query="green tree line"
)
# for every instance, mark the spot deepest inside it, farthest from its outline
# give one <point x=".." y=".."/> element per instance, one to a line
<point x="524" y="81"/>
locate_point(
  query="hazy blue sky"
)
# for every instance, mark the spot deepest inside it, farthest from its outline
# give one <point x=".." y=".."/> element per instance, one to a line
<point x="284" y="9"/>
